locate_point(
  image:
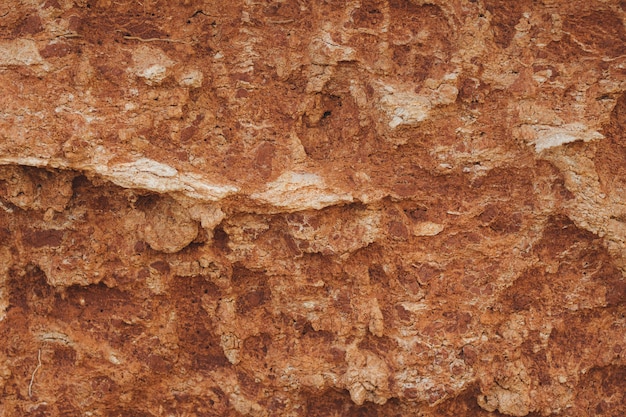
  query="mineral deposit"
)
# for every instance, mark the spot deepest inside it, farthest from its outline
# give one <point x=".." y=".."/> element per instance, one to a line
<point x="312" y="208"/>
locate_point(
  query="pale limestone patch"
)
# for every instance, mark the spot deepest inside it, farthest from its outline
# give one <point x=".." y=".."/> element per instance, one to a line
<point x="546" y="137"/>
<point x="404" y="107"/>
<point x="151" y="64"/>
<point x="294" y="191"/>
<point x="191" y="78"/>
<point x="414" y="307"/>
<point x="427" y="229"/>
<point x="19" y="52"/>
<point x="324" y="51"/>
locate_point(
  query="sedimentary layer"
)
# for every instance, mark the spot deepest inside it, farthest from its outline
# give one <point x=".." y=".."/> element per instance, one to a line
<point x="324" y="208"/>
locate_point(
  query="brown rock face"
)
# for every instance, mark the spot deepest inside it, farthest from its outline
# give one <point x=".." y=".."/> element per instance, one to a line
<point x="312" y="208"/>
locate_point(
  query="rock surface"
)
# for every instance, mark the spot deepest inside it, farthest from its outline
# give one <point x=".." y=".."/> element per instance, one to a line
<point x="322" y="208"/>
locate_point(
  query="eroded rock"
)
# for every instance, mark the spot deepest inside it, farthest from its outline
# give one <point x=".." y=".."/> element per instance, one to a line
<point x="169" y="226"/>
<point x="312" y="208"/>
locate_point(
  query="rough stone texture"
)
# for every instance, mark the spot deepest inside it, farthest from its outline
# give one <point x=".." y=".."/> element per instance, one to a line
<point x="312" y="208"/>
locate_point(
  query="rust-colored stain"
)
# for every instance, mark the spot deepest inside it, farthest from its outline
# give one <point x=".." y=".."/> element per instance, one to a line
<point x="312" y="208"/>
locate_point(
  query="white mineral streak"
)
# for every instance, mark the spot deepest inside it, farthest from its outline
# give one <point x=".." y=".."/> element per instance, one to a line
<point x="551" y="136"/>
<point x="294" y="191"/>
<point x="144" y="173"/>
<point x="147" y="167"/>
<point x="29" y="161"/>
<point x="155" y="176"/>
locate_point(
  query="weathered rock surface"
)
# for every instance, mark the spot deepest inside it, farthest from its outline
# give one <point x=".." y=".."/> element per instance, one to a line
<point x="312" y="208"/>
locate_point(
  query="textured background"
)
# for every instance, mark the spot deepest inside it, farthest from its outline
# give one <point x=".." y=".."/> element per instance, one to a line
<point x="312" y="208"/>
